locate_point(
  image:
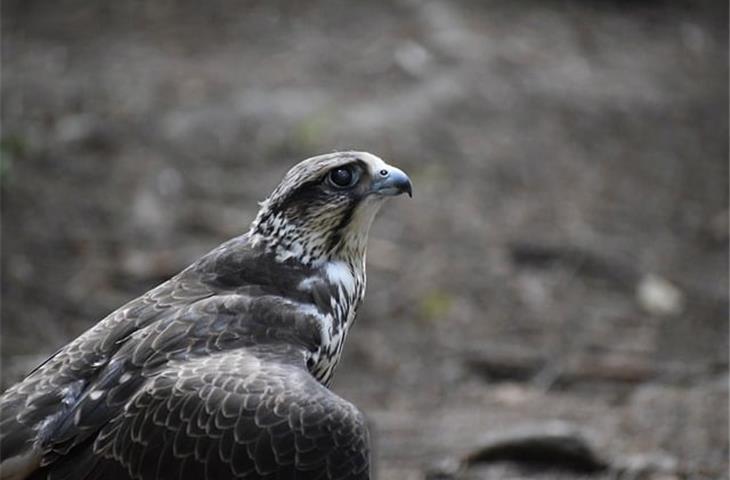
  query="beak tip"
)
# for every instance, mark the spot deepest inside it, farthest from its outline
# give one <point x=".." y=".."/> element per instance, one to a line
<point x="406" y="187"/>
<point x="404" y="184"/>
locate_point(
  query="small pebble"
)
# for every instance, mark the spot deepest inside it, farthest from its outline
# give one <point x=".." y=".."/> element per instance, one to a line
<point x="658" y="296"/>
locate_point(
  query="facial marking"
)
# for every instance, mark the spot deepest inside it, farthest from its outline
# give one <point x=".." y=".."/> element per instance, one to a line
<point x="309" y="219"/>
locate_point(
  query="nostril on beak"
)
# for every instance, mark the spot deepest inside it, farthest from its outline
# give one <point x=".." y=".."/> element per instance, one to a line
<point x="391" y="181"/>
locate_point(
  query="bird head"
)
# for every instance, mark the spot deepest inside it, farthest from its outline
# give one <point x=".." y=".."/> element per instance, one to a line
<point x="323" y="208"/>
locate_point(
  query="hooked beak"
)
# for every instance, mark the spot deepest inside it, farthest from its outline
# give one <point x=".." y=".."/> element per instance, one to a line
<point x="392" y="181"/>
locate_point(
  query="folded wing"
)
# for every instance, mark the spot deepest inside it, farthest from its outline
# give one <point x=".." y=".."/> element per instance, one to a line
<point x="249" y="414"/>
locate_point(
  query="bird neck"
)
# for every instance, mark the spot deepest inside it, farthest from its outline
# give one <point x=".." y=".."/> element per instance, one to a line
<point x="334" y="251"/>
<point x="311" y="244"/>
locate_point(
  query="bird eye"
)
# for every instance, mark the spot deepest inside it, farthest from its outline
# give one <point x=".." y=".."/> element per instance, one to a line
<point x="342" y="177"/>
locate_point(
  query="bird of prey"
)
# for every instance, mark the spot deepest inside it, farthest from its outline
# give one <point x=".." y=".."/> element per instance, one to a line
<point x="221" y="372"/>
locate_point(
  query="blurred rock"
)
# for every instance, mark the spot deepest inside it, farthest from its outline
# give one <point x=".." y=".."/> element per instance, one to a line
<point x="579" y="261"/>
<point x="84" y="129"/>
<point x="74" y="128"/>
<point x="655" y="466"/>
<point x="444" y="469"/>
<point x="619" y="368"/>
<point x="499" y="364"/>
<point x="557" y="445"/>
<point x="658" y="296"/>
<point x="412" y="57"/>
<point x="512" y="394"/>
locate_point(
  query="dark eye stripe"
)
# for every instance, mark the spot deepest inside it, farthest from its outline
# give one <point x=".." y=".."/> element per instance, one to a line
<point x="305" y="194"/>
<point x="311" y="192"/>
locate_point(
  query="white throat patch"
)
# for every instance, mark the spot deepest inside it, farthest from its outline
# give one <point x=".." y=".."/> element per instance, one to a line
<point x="340" y="274"/>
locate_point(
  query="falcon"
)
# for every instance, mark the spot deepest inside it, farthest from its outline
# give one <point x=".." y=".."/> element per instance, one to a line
<point x="223" y="371"/>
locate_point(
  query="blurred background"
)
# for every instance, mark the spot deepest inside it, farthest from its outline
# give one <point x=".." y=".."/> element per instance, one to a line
<point x="559" y="278"/>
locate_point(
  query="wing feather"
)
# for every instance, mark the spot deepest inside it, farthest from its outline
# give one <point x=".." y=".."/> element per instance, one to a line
<point x="236" y="414"/>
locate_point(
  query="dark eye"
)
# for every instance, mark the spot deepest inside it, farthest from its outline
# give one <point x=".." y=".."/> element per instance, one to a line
<point x="342" y="177"/>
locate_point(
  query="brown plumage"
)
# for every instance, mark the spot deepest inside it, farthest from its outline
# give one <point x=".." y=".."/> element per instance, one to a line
<point x="222" y="371"/>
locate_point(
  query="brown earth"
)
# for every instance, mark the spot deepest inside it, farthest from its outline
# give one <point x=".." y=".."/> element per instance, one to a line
<point x="564" y="257"/>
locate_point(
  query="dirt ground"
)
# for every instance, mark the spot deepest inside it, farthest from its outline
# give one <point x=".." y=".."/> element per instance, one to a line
<point x="562" y="266"/>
